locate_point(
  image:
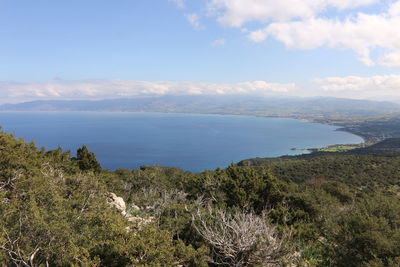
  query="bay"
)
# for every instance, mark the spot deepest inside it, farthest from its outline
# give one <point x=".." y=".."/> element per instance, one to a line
<point x="189" y="141"/>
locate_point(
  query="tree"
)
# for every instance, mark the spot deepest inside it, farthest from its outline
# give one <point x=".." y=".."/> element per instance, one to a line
<point x="87" y="160"/>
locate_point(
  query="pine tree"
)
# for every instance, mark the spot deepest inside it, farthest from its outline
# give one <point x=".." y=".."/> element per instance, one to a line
<point x="87" y="160"/>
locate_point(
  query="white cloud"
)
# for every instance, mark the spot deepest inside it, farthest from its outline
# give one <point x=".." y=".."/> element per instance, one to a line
<point x="237" y="12"/>
<point x="360" y="87"/>
<point x="304" y="24"/>
<point x="349" y="86"/>
<point x="179" y="3"/>
<point x="194" y="20"/>
<point x="107" y="89"/>
<point x="394" y="9"/>
<point x="361" y="33"/>
<point x="390" y="59"/>
<point x="218" y="42"/>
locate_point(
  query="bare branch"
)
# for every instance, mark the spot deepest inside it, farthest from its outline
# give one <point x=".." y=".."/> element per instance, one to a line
<point x="240" y="239"/>
<point x="12" y="248"/>
<point x="11" y="180"/>
<point x="85" y="205"/>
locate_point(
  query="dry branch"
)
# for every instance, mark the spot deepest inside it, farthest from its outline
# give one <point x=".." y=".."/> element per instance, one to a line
<point x="241" y="239"/>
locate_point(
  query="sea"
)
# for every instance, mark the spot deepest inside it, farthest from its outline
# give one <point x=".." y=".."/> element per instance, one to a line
<point x="193" y="142"/>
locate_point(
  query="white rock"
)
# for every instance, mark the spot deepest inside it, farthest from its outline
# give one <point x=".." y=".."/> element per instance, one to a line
<point x="134" y="207"/>
<point x="117" y="202"/>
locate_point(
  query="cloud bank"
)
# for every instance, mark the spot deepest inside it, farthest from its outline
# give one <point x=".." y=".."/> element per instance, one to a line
<point x="235" y="13"/>
<point x="348" y="87"/>
<point x="360" y="87"/>
<point x="106" y="89"/>
<point x="309" y="24"/>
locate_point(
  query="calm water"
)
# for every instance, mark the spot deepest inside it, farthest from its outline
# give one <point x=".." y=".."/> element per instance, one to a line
<point x="191" y="142"/>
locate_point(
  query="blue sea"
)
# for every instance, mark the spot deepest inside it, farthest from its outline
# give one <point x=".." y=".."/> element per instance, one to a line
<point x="188" y="141"/>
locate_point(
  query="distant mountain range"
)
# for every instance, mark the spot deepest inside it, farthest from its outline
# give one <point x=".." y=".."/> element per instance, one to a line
<point x="262" y="106"/>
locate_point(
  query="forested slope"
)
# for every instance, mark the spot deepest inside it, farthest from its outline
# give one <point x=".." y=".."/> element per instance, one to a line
<point x="337" y="210"/>
<point x="389" y="146"/>
<point x="353" y="170"/>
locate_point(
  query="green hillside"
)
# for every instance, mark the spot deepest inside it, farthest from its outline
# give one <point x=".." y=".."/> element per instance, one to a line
<point x="387" y="146"/>
<point x="316" y="210"/>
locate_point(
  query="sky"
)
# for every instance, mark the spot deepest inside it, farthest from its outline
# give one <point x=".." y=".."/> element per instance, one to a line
<point x="98" y="49"/>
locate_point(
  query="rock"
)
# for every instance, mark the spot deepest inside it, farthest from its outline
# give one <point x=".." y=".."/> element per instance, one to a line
<point x="140" y="221"/>
<point x="149" y="208"/>
<point x="134" y="207"/>
<point x="117" y="202"/>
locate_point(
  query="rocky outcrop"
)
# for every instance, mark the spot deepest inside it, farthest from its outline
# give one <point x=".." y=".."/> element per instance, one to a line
<point x="119" y="204"/>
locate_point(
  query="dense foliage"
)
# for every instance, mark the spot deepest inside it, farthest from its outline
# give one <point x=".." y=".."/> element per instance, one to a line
<point x="327" y="210"/>
<point x="375" y="128"/>
<point x="389" y="146"/>
<point x="354" y="170"/>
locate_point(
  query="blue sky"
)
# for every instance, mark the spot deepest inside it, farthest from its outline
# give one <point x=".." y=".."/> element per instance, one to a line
<point x="94" y="49"/>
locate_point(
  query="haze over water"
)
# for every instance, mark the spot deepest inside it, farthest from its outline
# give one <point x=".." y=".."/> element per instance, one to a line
<point x="191" y="142"/>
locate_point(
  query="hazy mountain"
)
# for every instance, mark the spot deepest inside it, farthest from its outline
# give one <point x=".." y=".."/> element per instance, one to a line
<point x="263" y="106"/>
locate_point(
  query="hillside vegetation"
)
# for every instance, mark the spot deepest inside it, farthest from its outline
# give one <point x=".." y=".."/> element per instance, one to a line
<point x="374" y="129"/>
<point x="329" y="210"/>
